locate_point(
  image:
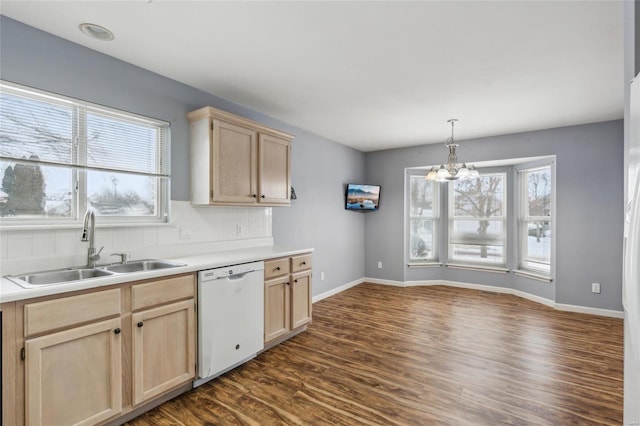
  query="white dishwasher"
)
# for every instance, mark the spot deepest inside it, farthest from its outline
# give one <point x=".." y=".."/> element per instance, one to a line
<point x="230" y="318"/>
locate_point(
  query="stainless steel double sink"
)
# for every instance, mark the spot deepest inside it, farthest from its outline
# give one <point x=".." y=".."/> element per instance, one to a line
<point x="62" y="276"/>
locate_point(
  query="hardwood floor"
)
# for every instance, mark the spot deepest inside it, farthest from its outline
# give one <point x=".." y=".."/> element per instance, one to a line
<point x="380" y="355"/>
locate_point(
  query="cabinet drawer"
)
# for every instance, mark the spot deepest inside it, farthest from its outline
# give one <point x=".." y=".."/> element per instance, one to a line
<point x="300" y="263"/>
<point x="162" y="291"/>
<point x="67" y="311"/>
<point x="276" y="268"/>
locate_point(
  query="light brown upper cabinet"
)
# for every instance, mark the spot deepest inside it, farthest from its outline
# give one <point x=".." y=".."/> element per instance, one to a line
<point x="236" y="161"/>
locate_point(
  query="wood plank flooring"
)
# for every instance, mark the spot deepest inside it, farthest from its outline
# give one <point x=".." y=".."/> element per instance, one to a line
<point x="380" y="355"/>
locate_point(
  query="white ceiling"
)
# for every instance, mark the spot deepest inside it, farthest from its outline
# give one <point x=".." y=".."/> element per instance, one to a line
<point x="372" y="75"/>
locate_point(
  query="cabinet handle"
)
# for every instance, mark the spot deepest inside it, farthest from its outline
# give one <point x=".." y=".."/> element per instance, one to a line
<point x="262" y="196"/>
<point x="116" y="331"/>
<point x="140" y="324"/>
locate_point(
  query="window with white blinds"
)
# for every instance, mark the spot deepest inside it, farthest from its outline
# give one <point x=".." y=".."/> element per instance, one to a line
<point x="534" y="220"/>
<point x="477" y="220"/>
<point x="60" y="156"/>
<point x="424" y="213"/>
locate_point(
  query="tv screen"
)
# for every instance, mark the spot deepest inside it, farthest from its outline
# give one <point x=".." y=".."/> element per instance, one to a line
<point x="362" y="197"/>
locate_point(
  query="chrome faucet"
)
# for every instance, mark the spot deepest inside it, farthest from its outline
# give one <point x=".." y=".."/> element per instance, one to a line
<point x="88" y="234"/>
<point x="124" y="257"/>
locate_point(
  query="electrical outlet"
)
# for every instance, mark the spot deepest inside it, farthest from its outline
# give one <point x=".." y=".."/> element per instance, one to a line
<point x="595" y="288"/>
<point x="321" y="276"/>
<point x="238" y="230"/>
<point x="379" y="264"/>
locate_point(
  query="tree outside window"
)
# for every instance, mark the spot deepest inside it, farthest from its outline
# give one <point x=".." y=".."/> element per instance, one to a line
<point x="535" y="219"/>
<point x="477" y="217"/>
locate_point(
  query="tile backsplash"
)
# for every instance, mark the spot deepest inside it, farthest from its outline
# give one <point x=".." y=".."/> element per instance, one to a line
<point x="193" y="229"/>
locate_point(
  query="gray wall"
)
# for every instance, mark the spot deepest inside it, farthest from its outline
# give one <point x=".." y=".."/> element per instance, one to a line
<point x="589" y="206"/>
<point x="319" y="166"/>
<point x="320" y="169"/>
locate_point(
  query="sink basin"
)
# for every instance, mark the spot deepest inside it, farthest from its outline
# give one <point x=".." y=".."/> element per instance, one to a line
<point x="140" y="265"/>
<point x="39" y="279"/>
<point x="62" y="276"/>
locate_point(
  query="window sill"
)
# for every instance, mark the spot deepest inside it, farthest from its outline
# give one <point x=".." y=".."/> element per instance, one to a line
<point x="479" y="268"/>
<point x="424" y="265"/>
<point x="78" y="225"/>
<point x="533" y="275"/>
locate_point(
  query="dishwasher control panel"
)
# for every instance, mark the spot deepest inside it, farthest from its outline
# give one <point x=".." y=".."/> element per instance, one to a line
<point x="230" y="271"/>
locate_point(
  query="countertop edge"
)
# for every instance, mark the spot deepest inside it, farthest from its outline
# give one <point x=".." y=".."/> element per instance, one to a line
<point x="11" y="292"/>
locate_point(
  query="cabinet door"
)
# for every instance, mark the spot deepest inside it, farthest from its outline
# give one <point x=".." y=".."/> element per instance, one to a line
<point x="233" y="164"/>
<point x="74" y="376"/>
<point x="276" y="308"/>
<point x="163" y="349"/>
<point x="274" y="170"/>
<point x="300" y="299"/>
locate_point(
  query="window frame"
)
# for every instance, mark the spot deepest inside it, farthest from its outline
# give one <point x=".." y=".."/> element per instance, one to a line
<point x="78" y="164"/>
<point x="503" y="219"/>
<point x="435" y="220"/>
<point x="523" y="266"/>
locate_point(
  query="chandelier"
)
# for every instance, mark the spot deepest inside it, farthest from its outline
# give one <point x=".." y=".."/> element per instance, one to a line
<point x="452" y="170"/>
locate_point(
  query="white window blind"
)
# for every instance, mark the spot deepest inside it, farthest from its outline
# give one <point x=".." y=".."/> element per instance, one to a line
<point x="534" y="219"/>
<point x="477" y="220"/>
<point x="423" y="219"/>
<point x="60" y="156"/>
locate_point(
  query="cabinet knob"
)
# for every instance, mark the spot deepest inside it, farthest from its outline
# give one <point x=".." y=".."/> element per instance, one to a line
<point x="303" y="263"/>
<point x="295" y="281"/>
<point x="287" y="283"/>
<point x="140" y="324"/>
<point x="116" y="331"/>
<point x="262" y="196"/>
<point x="277" y="268"/>
<point x="255" y="195"/>
<point x="237" y="347"/>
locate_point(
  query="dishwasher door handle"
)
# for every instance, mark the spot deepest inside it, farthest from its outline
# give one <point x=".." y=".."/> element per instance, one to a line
<point x="239" y="276"/>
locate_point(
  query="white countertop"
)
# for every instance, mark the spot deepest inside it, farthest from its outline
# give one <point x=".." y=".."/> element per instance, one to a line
<point x="10" y="292"/>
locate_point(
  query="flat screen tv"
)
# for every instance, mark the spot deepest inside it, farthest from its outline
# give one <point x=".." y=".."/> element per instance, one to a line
<point x="362" y="197"/>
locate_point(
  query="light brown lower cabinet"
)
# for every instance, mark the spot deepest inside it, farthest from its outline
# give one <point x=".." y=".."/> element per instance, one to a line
<point x="93" y="356"/>
<point x="287" y="291"/>
<point x="163" y="348"/>
<point x="74" y="377"/>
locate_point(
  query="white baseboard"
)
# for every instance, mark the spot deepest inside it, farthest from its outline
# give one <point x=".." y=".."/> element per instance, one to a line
<point x="588" y="310"/>
<point x="336" y="290"/>
<point x="504" y="290"/>
<point x="547" y="302"/>
<point x="384" y="282"/>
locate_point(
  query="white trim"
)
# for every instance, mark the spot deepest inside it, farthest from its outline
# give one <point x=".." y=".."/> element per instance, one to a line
<point x="480" y="287"/>
<point x="533" y="275"/>
<point x="502" y="290"/>
<point x="589" y="310"/>
<point x="532" y="297"/>
<point x="384" y="282"/>
<point x="336" y="290"/>
<point x="424" y="265"/>
<point x="423" y="283"/>
<point x="495" y="269"/>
